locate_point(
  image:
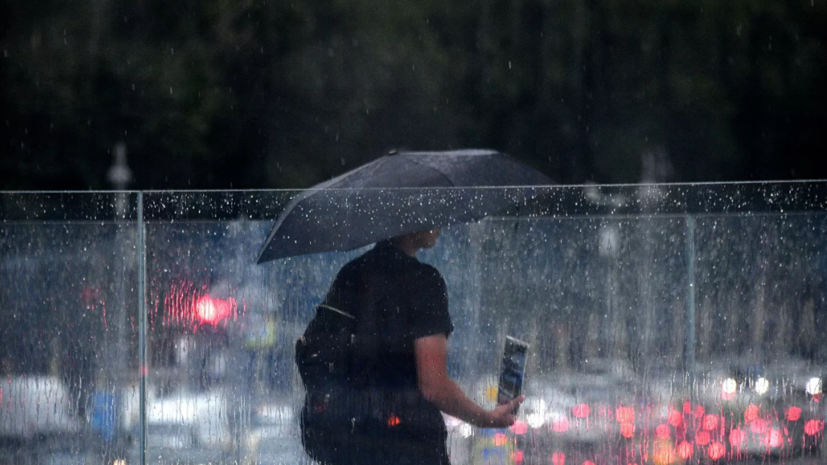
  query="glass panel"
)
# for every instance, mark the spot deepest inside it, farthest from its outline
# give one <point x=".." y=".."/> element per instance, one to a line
<point x="666" y="324"/>
<point x="68" y="338"/>
<point x="221" y="380"/>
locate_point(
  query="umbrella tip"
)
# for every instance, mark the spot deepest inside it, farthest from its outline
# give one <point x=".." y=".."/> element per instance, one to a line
<point x="397" y="150"/>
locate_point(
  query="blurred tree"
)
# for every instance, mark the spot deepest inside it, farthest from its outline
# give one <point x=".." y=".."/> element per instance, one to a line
<point x="220" y="94"/>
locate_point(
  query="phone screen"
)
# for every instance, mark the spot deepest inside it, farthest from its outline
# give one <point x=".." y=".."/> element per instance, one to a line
<point x="513" y="370"/>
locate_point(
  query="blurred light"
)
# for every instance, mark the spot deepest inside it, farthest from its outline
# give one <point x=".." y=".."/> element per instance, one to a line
<point x="211" y="311"/>
<point x="558" y="458"/>
<point x="685" y="450"/>
<point x="699" y="411"/>
<point x="793" y="413"/>
<point x="560" y="425"/>
<point x="393" y="420"/>
<point x="773" y="439"/>
<point x="710" y="422"/>
<point x="517" y="456"/>
<point x="119" y="462"/>
<point x="716" y="450"/>
<point x="500" y="439"/>
<point x="625" y="414"/>
<point x="491" y="393"/>
<point x="759" y="426"/>
<point x="814" y="386"/>
<point x="751" y="413"/>
<point x="588" y="462"/>
<point x="687" y="407"/>
<point x="675" y="418"/>
<point x="762" y="385"/>
<point x="730" y="387"/>
<point x="535" y="420"/>
<point x="581" y="410"/>
<point x="813" y="427"/>
<point x="737" y="437"/>
<point x="663" y="453"/>
<point x="702" y="438"/>
<point x="519" y="427"/>
<point x="627" y="430"/>
<point x="465" y="430"/>
<point x="663" y="431"/>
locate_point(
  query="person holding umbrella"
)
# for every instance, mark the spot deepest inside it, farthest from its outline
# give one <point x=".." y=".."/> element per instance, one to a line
<point x="398" y="379"/>
<point x="373" y="359"/>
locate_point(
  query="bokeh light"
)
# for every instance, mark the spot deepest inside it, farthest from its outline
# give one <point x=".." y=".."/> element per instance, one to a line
<point x="793" y="413"/>
<point x="581" y="410"/>
<point x="710" y="422"/>
<point x="716" y="450"/>
<point x="685" y="450"/>
<point x="813" y="427"/>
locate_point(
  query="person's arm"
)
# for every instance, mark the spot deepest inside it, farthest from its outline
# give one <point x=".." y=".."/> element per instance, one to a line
<point x="435" y="385"/>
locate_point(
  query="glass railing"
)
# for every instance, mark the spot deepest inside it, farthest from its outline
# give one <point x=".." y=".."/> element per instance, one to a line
<point x="667" y="323"/>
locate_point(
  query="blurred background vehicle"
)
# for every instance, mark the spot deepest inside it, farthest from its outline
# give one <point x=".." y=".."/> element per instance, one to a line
<point x="599" y="413"/>
<point x="764" y="409"/>
<point x="217" y="387"/>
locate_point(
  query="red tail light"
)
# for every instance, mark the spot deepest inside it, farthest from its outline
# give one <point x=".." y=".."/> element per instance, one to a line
<point x="710" y="422"/>
<point x="519" y="427"/>
<point x="675" y="418"/>
<point x="793" y="413"/>
<point x="625" y="414"/>
<point x="813" y="427"/>
<point x="558" y="458"/>
<point x="581" y="410"/>
<point x="685" y="450"/>
<point x="716" y="450"/>
<point x="211" y="311"/>
<point x="751" y="412"/>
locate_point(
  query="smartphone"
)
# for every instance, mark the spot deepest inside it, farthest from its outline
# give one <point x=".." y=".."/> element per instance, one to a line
<point x="512" y="371"/>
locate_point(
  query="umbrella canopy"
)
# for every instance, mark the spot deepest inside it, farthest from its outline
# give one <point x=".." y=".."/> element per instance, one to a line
<point x="398" y="194"/>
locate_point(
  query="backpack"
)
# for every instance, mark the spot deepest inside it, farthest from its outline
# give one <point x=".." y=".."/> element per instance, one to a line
<point x="323" y="358"/>
<point x="323" y="352"/>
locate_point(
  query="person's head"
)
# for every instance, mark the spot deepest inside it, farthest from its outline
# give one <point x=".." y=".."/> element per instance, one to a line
<point x="413" y="242"/>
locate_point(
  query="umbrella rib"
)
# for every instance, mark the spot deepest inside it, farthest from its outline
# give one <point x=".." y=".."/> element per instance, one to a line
<point x="445" y="176"/>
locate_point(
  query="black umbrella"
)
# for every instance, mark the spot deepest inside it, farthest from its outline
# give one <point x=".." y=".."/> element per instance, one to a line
<point x="385" y="198"/>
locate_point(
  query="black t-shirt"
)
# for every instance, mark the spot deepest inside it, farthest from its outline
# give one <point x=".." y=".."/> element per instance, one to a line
<point x="396" y="299"/>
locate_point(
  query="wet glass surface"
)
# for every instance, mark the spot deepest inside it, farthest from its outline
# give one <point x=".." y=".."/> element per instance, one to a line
<point x="667" y="324"/>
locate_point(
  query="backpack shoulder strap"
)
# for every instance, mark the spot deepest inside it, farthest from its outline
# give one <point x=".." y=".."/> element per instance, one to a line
<point x="340" y="312"/>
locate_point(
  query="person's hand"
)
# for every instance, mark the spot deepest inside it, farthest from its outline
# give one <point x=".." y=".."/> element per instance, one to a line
<point x="503" y="416"/>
